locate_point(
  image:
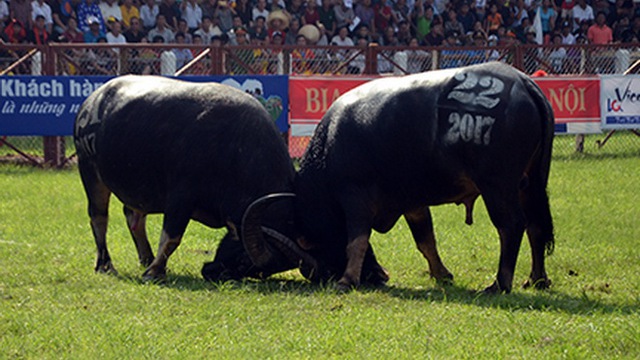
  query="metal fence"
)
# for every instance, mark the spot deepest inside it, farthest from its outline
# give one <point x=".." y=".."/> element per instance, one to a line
<point x="184" y="60"/>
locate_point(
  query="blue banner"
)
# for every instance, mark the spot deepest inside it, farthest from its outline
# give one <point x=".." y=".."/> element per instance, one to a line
<point x="47" y="105"/>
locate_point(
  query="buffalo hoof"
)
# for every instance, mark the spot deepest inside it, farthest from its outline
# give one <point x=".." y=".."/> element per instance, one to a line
<point x="212" y="271"/>
<point x="344" y="288"/>
<point x="106" y="268"/>
<point x="378" y="277"/>
<point x="154" y="275"/>
<point x="539" y="284"/>
<point x="444" y="278"/>
<point x="496" y="289"/>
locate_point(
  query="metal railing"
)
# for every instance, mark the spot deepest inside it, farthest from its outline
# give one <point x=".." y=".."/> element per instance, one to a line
<point x="58" y="59"/>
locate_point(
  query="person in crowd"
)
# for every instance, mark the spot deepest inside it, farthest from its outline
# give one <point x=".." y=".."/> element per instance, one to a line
<point x="466" y="17"/>
<point x="192" y="12"/>
<point x="452" y="23"/>
<point x="39" y="35"/>
<point x="89" y="9"/>
<point x="95" y="31"/>
<point x="40" y="7"/>
<point x="436" y="36"/>
<point x="365" y="12"/>
<point x="302" y="58"/>
<point x="600" y="33"/>
<point x="557" y="55"/>
<point x="290" y="36"/>
<point x="344" y="14"/>
<point x="102" y="61"/>
<point x="389" y="37"/>
<point x="311" y="15"/>
<point x="224" y="15"/>
<point x="245" y="11"/>
<point x="241" y="36"/>
<point x="110" y="8"/>
<point x="61" y="12"/>
<point x="400" y="10"/>
<point x="236" y="23"/>
<point x="493" y="20"/>
<point x="161" y="30"/>
<point x="115" y="35"/>
<point x="296" y="8"/>
<point x="128" y="10"/>
<point x="258" y="30"/>
<point x="184" y="29"/>
<point x="207" y="30"/>
<point x="148" y="13"/>
<point x="21" y="11"/>
<point x="14" y="32"/>
<point x="135" y="33"/>
<point x="4" y="14"/>
<point x="342" y="38"/>
<point x="260" y="10"/>
<point x="327" y="17"/>
<point x="404" y="34"/>
<point x="383" y="17"/>
<point x="208" y="7"/>
<point x="423" y="21"/>
<point x="567" y="36"/>
<point x="519" y="13"/>
<point x="547" y="17"/>
<point x="480" y="9"/>
<point x="183" y="55"/>
<point x="581" y="12"/>
<point x="171" y="12"/>
<point x="72" y="33"/>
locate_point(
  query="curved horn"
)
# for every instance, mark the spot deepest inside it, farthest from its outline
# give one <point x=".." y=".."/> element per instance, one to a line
<point x="290" y="249"/>
<point x="252" y="237"/>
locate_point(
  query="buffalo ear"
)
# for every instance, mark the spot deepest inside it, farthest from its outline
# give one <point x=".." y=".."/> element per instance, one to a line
<point x="304" y="244"/>
<point x="233" y="230"/>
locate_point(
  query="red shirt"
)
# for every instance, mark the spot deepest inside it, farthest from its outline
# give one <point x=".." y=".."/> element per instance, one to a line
<point x="600" y="35"/>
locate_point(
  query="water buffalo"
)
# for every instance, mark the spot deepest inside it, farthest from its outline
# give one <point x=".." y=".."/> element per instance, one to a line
<point x="186" y="150"/>
<point x="395" y="146"/>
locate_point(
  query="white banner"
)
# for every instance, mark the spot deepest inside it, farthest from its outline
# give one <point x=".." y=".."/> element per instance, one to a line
<point x="620" y="102"/>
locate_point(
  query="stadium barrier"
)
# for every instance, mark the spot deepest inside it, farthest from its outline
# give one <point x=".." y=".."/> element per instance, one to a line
<point x="567" y="94"/>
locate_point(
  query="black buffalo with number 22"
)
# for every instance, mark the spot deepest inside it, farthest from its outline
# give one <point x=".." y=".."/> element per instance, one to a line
<point x="396" y="146"/>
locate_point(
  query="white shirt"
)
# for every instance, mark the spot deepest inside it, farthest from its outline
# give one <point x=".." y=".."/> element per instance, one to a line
<point x="148" y="15"/>
<point x="110" y="10"/>
<point x="44" y="10"/>
<point x="580" y="14"/>
<point x="193" y="15"/>
<point x="112" y="39"/>
<point x="569" y="39"/>
<point x="255" y="13"/>
<point x="4" y="9"/>
<point x="336" y="40"/>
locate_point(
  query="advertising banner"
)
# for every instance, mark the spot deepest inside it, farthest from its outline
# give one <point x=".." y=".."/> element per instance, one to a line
<point x="575" y="101"/>
<point x="620" y="102"/>
<point x="311" y="97"/>
<point x="47" y="105"/>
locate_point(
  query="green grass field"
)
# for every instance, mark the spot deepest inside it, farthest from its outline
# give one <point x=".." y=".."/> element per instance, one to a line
<point x="52" y="304"/>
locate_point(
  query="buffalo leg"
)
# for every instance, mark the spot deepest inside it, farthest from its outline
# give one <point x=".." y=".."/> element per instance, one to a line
<point x="176" y="219"/>
<point x="507" y="216"/>
<point x="539" y="231"/>
<point x="98" y="196"/>
<point x="421" y="226"/>
<point x="356" y="251"/>
<point x="136" y="221"/>
<point x="372" y="272"/>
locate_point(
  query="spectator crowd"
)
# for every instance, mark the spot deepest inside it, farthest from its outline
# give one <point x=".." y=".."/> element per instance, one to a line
<point x="446" y="23"/>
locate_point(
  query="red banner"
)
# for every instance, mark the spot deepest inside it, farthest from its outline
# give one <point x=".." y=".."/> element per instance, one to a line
<point x="572" y="99"/>
<point x="575" y="102"/>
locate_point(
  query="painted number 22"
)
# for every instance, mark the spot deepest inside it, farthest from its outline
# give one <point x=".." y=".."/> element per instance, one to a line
<point x="467" y="127"/>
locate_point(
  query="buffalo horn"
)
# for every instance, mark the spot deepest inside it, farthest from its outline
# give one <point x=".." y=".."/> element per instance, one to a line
<point x="254" y="241"/>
